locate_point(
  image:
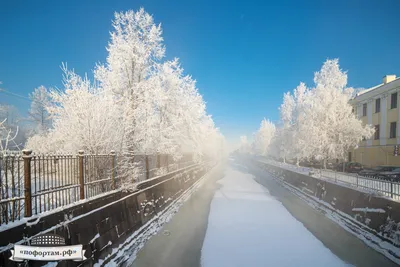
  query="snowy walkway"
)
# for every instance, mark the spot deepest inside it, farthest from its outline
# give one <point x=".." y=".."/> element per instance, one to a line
<point x="249" y="227"/>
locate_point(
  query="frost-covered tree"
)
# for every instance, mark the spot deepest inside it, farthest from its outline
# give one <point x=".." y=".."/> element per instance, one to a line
<point x="275" y="148"/>
<point x="156" y="107"/>
<point x="38" y="113"/>
<point x="319" y="122"/>
<point x="84" y="117"/>
<point x="263" y="137"/>
<point x="295" y="133"/>
<point x="134" y="49"/>
<point x="337" y="130"/>
<point x="286" y="111"/>
<point x="7" y="138"/>
<point x="178" y="111"/>
<point x="137" y="103"/>
<point x="12" y="126"/>
<point x="11" y="115"/>
<point x="163" y="111"/>
<point x="244" y="144"/>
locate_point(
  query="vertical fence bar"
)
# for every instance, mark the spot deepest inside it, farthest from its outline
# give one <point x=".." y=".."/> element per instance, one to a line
<point x="147" y="167"/>
<point x="47" y="186"/>
<point x="7" y="160"/>
<point x="357" y="179"/>
<point x="12" y="188"/>
<point x="39" y="160"/>
<point x="64" y="181"/>
<point x="113" y="158"/>
<point x="36" y="177"/>
<point x="81" y="177"/>
<point x="27" y="181"/>
<point x="51" y="185"/>
<point x="19" y="186"/>
<point x="391" y="189"/>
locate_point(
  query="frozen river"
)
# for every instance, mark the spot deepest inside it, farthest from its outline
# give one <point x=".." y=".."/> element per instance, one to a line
<point x="249" y="227"/>
<point x="242" y="217"/>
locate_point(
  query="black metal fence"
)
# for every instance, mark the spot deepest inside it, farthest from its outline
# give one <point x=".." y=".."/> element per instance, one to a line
<point x="11" y="188"/>
<point x="31" y="184"/>
<point x="113" y="218"/>
<point x="375" y="183"/>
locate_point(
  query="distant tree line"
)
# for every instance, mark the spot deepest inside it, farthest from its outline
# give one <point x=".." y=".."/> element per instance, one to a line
<point x="316" y="123"/>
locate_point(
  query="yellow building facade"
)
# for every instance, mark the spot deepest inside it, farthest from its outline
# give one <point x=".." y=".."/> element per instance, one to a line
<point x="379" y="107"/>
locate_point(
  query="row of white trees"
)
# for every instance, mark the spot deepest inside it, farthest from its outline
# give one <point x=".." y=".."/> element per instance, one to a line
<point x="22" y="127"/>
<point x="137" y="103"/>
<point x="316" y="123"/>
<point x="12" y="130"/>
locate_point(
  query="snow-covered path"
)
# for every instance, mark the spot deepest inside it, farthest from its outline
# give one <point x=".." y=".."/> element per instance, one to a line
<point x="249" y="227"/>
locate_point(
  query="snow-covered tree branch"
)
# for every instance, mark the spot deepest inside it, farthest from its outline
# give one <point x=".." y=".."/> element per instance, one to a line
<point x="263" y="137"/>
<point x="137" y="104"/>
<point x="318" y="122"/>
<point x="38" y="113"/>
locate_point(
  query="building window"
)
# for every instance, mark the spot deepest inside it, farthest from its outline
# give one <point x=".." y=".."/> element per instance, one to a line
<point x="364" y="109"/>
<point x="378" y="105"/>
<point x="376" y="135"/>
<point x="393" y="129"/>
<point x="393" y="101"/>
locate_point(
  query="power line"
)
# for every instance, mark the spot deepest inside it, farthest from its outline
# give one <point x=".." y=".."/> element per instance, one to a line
<point x="13" y="94"/>
<point x="21" y="96"/>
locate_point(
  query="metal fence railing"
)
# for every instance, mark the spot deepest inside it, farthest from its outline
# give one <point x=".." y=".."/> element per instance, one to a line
<point x="378" y="184"/>
<point x="11" y="188"/>
<point x="53" y="181"/>
<point x="31" y="183"/>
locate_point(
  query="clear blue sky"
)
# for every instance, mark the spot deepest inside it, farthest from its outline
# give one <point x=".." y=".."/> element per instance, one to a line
<point x="244" y="54"/>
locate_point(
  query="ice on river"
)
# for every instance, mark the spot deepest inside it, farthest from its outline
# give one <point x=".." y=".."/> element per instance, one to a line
<point x="249" y="227"/>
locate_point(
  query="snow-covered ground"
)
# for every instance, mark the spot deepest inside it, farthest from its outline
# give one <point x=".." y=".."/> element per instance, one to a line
<point x="249" y="227"/>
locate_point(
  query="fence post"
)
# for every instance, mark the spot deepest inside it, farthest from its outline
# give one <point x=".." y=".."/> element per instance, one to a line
<point x="147" y="168"/>
<point x="357" y="179"/>
<point x="391" y="188"/>
<point x="27" y="156"/>
<point x="113" y="170"/>
<point x="81" y="175"/>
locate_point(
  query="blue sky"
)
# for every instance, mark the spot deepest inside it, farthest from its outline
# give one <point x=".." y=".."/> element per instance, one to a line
<point x="244" y="54"/>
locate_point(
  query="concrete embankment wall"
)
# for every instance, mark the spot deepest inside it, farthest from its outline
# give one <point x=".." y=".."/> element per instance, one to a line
<point x="378" y="214"/>
<point x="103" y="223"/>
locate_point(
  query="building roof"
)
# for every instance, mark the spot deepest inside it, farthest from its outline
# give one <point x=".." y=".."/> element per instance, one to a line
<point x="376" y="90"/>
<point x="367" y="90"/>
